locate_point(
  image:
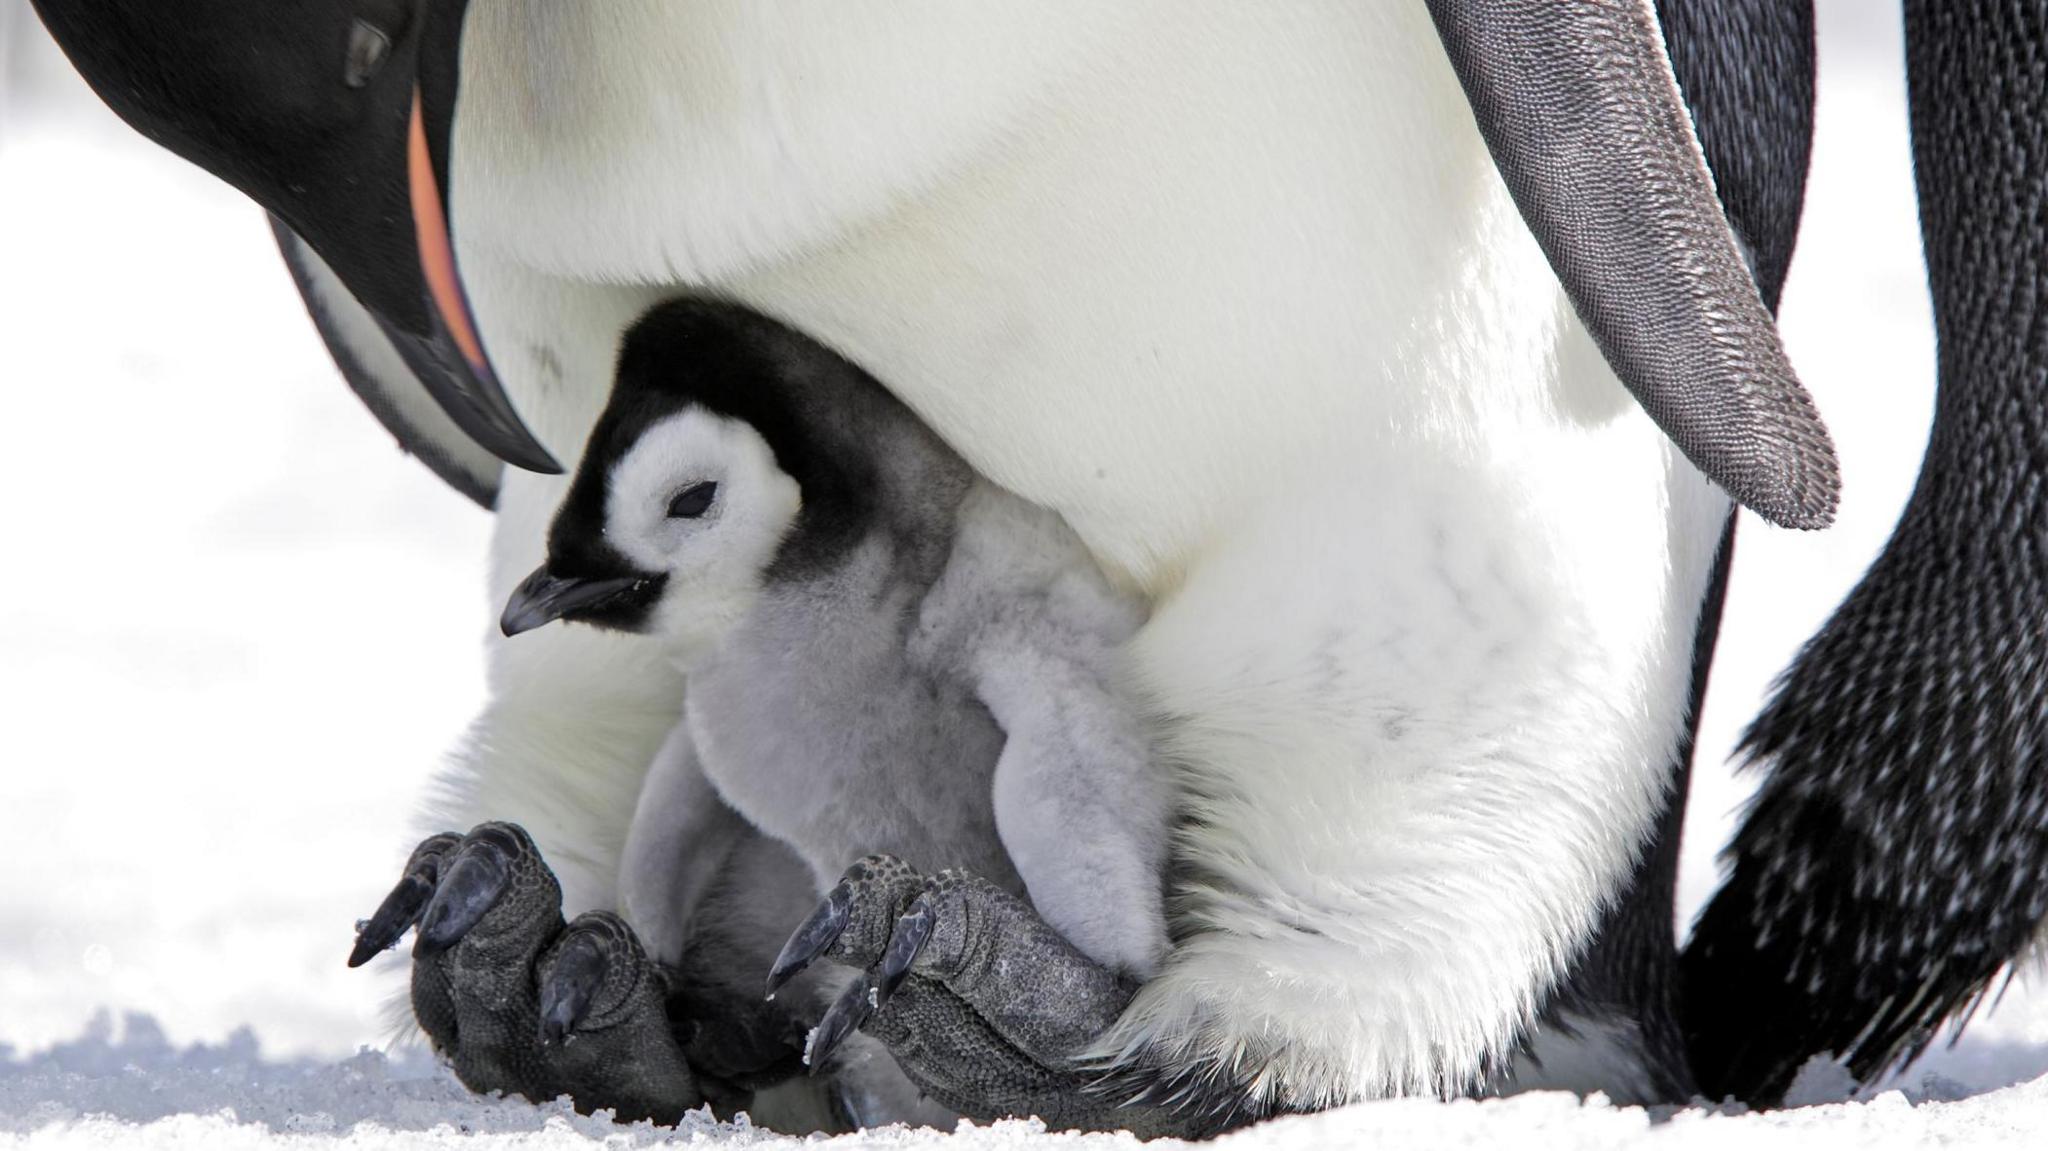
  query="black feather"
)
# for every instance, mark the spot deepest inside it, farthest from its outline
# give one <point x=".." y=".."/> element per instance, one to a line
<point x="1896" y="855"/>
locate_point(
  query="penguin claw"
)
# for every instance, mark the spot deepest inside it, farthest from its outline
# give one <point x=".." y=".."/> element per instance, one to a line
<point x="913" y="930"/>
<point x="401" y="908"/>
<point x="565" y="994"/>
<point x="479" y="874"/>
<point x="847" y="1013"/>
<point x="517" y="1000"/>
<point x="592" y="976"/>
<point x="812" y="938"/>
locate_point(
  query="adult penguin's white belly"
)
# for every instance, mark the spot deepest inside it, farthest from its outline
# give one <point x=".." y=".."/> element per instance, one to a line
<point x="1235" y="288"/>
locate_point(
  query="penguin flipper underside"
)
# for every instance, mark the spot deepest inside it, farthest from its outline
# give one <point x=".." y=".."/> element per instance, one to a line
<point x="519" y="1001"/>
<point x="1578" y="104"/>
<point x="990" y="1011"/>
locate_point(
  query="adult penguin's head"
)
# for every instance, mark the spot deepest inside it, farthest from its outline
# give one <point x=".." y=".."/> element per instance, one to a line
<point x="335" y="115"/>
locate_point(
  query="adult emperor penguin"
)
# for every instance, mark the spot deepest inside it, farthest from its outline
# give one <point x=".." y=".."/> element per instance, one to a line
<point x="1245" y="296"/>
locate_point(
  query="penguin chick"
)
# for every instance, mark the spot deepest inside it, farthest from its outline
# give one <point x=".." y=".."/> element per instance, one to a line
<point x="885" y="652"/>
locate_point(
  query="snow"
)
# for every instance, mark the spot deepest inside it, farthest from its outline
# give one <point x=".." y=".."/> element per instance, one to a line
<point x="213" y="556"/>
<point x="138" y="1090"/>
<point x="211" y="751"/>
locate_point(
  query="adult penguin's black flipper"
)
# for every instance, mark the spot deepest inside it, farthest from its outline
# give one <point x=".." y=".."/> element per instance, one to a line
<point x="382" y="379"/>
<point x="1577" y="103"/>
<point x="1896" y="856"/>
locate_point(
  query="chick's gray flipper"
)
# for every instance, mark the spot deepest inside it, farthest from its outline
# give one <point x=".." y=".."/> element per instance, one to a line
<point x="519" y="1001"/>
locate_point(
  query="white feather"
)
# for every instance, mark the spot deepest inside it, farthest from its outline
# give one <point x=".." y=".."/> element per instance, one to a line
<point x="1587" y="1054"/>
<point x="1236" y="289"/>
<point x="575" y="715"/>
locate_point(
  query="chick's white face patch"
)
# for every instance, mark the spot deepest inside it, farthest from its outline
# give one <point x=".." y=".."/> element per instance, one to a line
<point x="715" y="560"/>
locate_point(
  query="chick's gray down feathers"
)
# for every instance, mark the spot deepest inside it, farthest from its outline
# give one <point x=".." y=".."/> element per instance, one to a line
<point x="928" y="667"/>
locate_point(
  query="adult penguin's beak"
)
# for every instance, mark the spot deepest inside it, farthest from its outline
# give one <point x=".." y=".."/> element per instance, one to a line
<point x="337" y="118"/>
<point x="450" y="358"/>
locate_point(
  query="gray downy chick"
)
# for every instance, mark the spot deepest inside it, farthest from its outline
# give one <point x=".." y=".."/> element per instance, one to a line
<point x="885" y="652"/>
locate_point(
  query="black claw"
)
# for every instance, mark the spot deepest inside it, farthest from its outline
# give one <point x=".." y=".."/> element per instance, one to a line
<point x="816" y="936"/>
<point x="913" y="930"/>
<point x="566" y="994"/>
<point x="472" y="884"/>
<point x="848" y="1012"/>
<point x="401" y="908"/>
<point x="398" y="911"/>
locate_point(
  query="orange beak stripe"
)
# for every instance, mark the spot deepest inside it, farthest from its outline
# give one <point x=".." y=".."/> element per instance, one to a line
<point x="437" y="252"/>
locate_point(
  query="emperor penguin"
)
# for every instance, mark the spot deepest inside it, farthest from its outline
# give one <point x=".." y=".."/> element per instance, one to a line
<point x="886" y="654"/>
<point x="1400" y="353"/>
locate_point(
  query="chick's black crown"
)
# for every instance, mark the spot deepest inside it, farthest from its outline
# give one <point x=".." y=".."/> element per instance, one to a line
<point x="816" y="411"/>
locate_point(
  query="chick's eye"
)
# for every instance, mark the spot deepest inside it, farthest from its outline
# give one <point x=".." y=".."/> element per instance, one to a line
<point x="368" y="47"/>
<point x="692" y="502"/>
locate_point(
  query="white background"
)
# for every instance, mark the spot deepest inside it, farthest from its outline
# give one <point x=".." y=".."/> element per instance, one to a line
<point x="237" y="628"/>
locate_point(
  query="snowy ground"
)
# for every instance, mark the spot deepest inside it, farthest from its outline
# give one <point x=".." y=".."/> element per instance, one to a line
<point x="236" y="629"/>
<point x="95" y="1093"/>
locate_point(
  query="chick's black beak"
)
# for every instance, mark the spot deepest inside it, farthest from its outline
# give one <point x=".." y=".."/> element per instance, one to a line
<point x="544" y="597"/>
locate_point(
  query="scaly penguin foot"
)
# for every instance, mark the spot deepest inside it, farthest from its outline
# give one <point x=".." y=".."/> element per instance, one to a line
<point x="519" y="1001"/>
<point x="984" y="1006"/>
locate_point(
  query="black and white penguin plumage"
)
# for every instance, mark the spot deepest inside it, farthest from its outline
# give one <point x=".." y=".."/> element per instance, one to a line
<point x="885" y="652"/>
<point x="1248" y="301"/>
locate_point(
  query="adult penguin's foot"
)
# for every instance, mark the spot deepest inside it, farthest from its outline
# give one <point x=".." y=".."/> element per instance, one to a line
<point x="985" y="1007"/>
<point x="519" y="1001"/>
